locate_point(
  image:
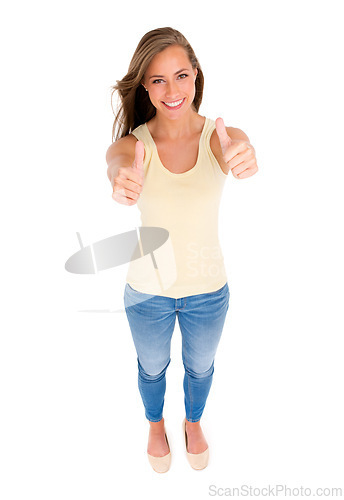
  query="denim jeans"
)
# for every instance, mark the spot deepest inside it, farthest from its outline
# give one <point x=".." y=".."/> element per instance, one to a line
<point x="152" y="320"/>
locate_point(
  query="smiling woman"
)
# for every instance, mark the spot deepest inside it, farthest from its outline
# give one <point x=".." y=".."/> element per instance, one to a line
<point x="136" y="106"/>
<point x="173" y="162"/>
<point x="172" y="90"/>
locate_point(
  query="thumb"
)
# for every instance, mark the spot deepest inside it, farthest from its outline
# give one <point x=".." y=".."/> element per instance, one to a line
<point x="224" y="138"/>
<point x="139" y="155"/>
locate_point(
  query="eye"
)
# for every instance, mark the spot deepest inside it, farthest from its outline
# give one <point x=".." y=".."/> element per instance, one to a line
<point x="184" y="75"/>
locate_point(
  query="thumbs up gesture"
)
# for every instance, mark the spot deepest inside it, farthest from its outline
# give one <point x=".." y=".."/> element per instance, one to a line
<point x="128" y="183"/>
<point x="237" y="153"/>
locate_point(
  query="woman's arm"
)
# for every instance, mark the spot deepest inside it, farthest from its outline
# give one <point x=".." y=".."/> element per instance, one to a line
<point x="120" y="154"/>
<point x="233" y="151"/>
<point x="125" y="169"/>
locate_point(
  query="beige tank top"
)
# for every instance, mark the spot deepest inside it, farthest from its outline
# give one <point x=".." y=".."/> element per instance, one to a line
<point x="190" y="262"/>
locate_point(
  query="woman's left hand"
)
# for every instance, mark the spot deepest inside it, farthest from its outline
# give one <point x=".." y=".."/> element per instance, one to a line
<point x="239" y="154"/>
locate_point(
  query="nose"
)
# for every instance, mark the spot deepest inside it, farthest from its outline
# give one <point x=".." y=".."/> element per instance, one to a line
<point x="172" y="90"/>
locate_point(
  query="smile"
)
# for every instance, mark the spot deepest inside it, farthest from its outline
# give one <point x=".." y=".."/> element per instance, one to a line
<point x="175" y="104"/>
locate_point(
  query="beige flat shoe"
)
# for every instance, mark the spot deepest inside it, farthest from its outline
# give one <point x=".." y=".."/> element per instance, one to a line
<point x="160" y="464"/>
<point x="197" y="461"/>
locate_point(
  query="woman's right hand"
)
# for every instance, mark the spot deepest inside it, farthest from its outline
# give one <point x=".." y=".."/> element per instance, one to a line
<point x="128" y="183"/>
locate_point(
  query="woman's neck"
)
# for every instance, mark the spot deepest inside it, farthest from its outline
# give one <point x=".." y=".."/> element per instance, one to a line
<point x="167" y="129"/>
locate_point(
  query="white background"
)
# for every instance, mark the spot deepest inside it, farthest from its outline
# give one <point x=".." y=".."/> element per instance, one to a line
<point x="72" y="421"/>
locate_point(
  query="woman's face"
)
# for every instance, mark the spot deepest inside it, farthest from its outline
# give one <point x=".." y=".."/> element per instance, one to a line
<point x="169" y="79"/>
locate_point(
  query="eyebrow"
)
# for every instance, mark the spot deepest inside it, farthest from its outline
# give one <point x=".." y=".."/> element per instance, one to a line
<point x="176" y="73"/>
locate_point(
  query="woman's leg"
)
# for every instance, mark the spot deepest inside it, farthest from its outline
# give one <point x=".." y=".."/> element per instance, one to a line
<point x="152" y="323"/>
<point x="201" y="323"/>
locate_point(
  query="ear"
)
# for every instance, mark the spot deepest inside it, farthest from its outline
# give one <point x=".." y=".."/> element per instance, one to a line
<point x="195" y="72"/>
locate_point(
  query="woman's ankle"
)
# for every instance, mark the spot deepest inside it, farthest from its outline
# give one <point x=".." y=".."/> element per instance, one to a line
<point x="192" y="425"/>
<point x="157" y="426"/>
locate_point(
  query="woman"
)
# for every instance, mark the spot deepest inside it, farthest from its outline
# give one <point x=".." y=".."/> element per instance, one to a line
<point x="173" y="163"/>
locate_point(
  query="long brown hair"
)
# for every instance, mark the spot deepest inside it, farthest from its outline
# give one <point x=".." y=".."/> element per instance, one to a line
<point x="135" y="106"/>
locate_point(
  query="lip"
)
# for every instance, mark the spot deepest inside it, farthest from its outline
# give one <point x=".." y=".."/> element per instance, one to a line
<point x="175" y="107"/>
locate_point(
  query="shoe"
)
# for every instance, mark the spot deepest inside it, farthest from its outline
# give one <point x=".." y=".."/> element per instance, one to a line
<point x="161" y="464"/>
<point x="197" y="461"/>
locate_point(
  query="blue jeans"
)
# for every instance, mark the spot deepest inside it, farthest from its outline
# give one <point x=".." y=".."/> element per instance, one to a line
<point x="152" y="319"/>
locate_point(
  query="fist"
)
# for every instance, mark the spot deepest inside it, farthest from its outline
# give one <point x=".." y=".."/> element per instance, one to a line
<point x="239" y="154"/>
<point x="128" y="183"/>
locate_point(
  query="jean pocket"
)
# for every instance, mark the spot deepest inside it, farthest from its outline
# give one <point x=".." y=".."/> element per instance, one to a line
<point x="131" y="288"/>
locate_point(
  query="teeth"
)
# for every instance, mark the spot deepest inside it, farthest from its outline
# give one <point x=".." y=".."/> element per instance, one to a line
<point x="173" y="104"/>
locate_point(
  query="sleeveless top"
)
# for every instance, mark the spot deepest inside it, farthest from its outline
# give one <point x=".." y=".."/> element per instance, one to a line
<point x="190" y="261"/>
